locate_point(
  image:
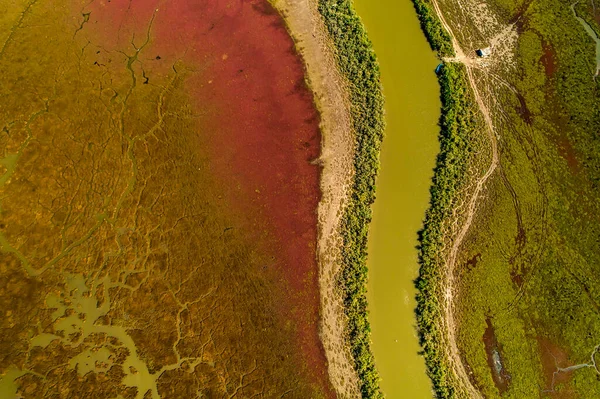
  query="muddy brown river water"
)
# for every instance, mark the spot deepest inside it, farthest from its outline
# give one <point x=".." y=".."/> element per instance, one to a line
<point x="407" y="160"/>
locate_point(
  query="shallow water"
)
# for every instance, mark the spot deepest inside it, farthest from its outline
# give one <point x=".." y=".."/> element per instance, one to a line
<point x="408" y="157"/>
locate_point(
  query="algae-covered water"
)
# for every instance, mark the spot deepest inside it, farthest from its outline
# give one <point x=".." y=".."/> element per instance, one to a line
<point x="407" y="160"/>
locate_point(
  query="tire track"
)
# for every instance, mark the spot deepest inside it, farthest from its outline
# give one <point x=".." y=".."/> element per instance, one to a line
<point x="449" y="322"/>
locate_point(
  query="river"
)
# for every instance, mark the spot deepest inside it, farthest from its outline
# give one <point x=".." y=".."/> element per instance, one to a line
<point x="590" y="31"/>
<point x="407" y="161"/>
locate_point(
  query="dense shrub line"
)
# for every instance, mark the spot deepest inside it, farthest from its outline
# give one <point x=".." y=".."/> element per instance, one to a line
<point x="357" y="62"/>
<point x="456" y="122"/>
<point x="456" y="133"/>
<point x="438" y="38"/>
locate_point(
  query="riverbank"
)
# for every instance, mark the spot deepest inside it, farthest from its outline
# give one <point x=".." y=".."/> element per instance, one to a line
<point x="331" y="97"/>
<point x="451" y="174"/>
<point x="332" y="38"/>
<point x="357" y="62"/>
<point x="347" y="197"/>
<point x="439" y="237"/>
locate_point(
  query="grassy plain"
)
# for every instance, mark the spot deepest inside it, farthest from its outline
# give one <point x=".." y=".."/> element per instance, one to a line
<point x="528" y="269"/>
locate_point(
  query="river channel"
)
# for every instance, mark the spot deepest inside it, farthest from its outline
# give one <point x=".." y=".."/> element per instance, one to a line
<point x="407" y="161"/>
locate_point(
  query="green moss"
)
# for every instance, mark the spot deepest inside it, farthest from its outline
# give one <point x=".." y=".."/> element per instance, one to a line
<point x="356" y="61"/>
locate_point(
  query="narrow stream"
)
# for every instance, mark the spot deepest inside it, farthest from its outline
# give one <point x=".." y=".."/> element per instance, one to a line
<point x="408" y="157"/>
<point x="591" y="33"/>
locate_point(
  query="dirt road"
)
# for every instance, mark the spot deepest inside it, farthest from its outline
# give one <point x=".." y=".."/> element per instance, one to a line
<point x="448" y="304"/>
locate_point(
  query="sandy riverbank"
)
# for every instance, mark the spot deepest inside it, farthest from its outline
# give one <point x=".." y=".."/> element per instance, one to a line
<point x="337" y="151"/>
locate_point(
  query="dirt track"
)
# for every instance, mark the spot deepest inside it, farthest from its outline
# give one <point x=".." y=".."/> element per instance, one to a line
<point x="307" y="29"/>
<point x="450" y="284"/>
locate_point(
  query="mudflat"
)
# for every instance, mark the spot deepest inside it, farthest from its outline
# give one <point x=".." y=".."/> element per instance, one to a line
<point x="159" y="188"/>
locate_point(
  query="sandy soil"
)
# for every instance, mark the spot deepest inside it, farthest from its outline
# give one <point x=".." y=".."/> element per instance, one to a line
<point x="312" y="41"/>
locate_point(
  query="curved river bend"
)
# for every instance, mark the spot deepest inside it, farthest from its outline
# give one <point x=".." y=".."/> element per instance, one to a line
<point x="407" y="161"/>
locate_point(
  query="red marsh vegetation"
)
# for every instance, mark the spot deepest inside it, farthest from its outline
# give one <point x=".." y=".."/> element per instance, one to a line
<point x="257" y="118"/>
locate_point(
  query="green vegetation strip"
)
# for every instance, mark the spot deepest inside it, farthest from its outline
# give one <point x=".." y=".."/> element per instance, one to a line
<point x="438" y="38"/>
<point x="357" y="62"/>
<point x="457" y="124"/>
<point x="450" y="175"/>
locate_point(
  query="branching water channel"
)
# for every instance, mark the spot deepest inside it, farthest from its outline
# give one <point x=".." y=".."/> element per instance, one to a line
<point x="590" y="31"/>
